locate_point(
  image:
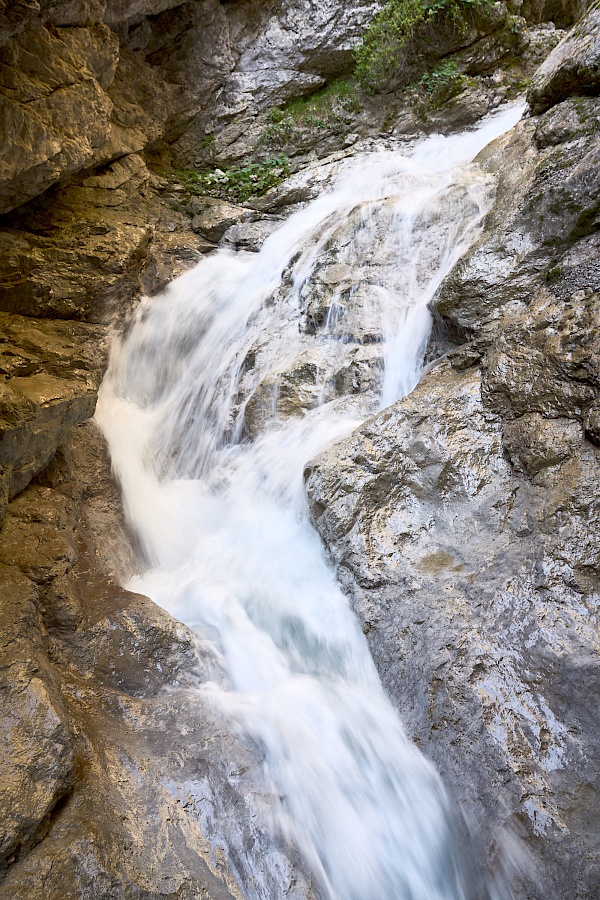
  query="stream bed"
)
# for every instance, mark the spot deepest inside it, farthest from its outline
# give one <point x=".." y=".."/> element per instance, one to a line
<point x="223" y="389"/>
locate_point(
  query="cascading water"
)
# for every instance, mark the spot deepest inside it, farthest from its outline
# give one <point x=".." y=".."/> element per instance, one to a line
<point x="294" y="346"/>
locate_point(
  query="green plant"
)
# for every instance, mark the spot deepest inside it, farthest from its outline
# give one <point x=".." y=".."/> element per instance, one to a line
<point x="379" y="55"/>
<point x="443" y="82"/>
<point x="328" y="109"/>
<point x="553" y="274"/>
<point x="238" y="183"/>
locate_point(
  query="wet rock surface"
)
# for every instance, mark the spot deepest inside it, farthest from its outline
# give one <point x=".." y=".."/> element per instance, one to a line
<point x="572" y="68"/>
<point x="464" y="520"/>
<point x="544" y="221"/>
<point x="117" y="765"/>
<point x="476" y="583"/>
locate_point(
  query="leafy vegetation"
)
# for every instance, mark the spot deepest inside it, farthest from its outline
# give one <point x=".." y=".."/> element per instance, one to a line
<point x="443" y="82"/>
<point x="330" y="109"/>
<point x="381" y="51"/>
<point x="236" y="184"/>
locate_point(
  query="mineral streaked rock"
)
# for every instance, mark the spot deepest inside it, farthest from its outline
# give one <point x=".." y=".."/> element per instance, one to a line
<point x="477" y="589"/>
<point x="573" y="67"/>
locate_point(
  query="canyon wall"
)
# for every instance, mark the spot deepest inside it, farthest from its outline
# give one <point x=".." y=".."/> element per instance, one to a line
<point x="462" y="520"/>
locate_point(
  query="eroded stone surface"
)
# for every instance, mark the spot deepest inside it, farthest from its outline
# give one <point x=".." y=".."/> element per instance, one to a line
<point x="548" y="201"/>
<point x="49" y="376"/>
<point x="478" y="591"/>
<point x="55" y="114"/>
<point x="573" y="67"/>
<point x="37" y="754"/>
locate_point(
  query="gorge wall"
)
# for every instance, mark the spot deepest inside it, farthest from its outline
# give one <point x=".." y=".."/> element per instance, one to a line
<point x="463" y="520"/>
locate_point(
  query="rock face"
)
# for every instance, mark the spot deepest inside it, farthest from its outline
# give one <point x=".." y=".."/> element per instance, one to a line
<point x="55" y="114"/>
<point x="572" y="68"/>
<point x="464" y="520"/>
<point x="115" y="765"/>
<point x="50" y="373"/>
<point x="546" y="214"/>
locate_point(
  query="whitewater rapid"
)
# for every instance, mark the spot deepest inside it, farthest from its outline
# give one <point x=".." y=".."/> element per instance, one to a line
<point x="222" y="522"/>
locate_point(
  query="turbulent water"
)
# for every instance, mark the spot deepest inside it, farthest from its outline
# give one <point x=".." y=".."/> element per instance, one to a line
<point x="224" y="388"/>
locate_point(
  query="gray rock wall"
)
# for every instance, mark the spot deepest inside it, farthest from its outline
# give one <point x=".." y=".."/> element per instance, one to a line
<point x="464" y="519"/>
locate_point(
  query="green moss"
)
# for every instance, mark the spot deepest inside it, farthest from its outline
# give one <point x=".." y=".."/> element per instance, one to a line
<point x="236" y="184"/>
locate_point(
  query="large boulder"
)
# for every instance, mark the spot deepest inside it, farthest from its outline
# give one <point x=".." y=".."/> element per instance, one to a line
<point x="573" y="67"/>
<point x="548" y="200"/>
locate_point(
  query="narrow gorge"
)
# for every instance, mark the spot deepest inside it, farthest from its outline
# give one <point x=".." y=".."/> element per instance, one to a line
<point x="299" y="449"/>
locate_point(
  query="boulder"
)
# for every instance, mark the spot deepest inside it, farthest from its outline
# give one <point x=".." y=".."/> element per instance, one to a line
<point x="250" y="235"/>
<point x="216" y="218"/>
<point x="572" y="68"/>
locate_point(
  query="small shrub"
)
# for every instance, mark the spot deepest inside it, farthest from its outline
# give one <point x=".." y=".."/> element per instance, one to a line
<point x="553" y="274"/>
<point x="443" y="82"/>
<point x="379" y="55"/>
<point x="236" y="184"/>
<point x="327" y="109"/>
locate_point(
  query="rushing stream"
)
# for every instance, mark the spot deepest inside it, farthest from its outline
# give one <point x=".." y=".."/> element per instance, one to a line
<point x="224" y="388"/>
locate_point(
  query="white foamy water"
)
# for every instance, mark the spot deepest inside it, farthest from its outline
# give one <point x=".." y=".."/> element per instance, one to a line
<point x="223" y="522"/>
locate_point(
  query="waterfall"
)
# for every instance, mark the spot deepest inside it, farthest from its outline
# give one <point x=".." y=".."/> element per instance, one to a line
<point x="224" y="387"/>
